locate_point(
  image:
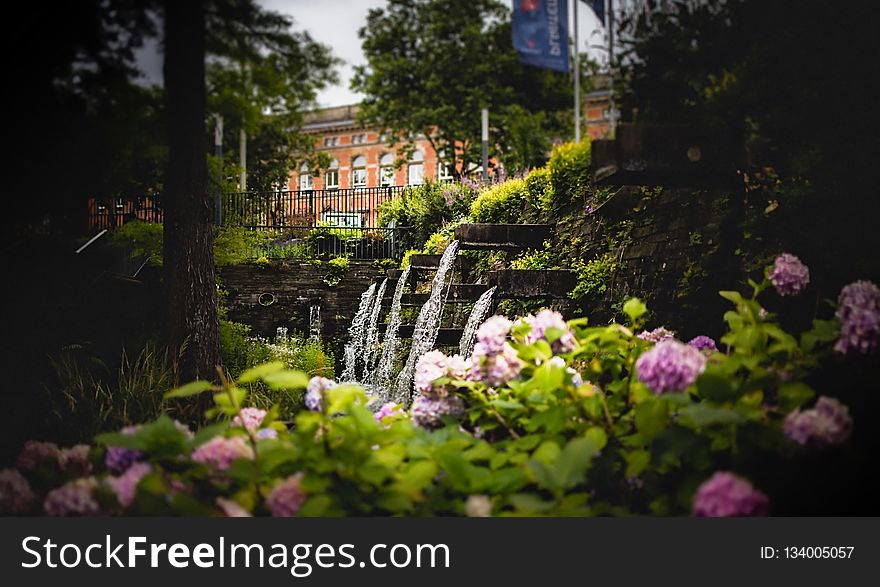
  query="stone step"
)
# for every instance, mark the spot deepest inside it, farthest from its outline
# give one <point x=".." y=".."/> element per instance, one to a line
<point x="431" y="262"/>
<point x="445" y="336"/>
<point x="531" y="283"/>
<point x="504" y="237"/>
<point x="459" y="293"/>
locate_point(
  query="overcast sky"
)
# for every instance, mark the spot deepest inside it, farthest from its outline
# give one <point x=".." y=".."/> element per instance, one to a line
<point x="336" y="22"/>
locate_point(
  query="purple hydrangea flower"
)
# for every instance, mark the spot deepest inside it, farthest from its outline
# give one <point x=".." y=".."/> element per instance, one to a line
<point x="828" y="423"/>
<point x="286" y="497"/>
<point x="432" y="366"/>
<point x="250" y="418"/>
<point x="495" y="370"/>
<point x="703" y="343"/>
<point x="125" y="485"/>
<point x="657" y="335"/>
<point x="858" y="309"/>
<point x="724" y="495"/>
<point x="545" y="320"/>
<point x="315" y="391"/>
<point x="670" y="366"/>
<point x="428" y="413"/>
<point x="75" y="460"/>
<point x="16" y="496"/>
<point x="388" y="410"/>
<point x="492" y="333"/>
<point x="76" y="498"/>
<point x="232" y="509"/>
<point x="118" y="459"/>
<point x="264" y="433"/>
<point x="35" y="452"/>
<point x="789" y="276"/>
<point x="220" y="452"/>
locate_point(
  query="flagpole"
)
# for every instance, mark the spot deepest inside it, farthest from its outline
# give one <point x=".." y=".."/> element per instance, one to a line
<point x="577" y="78"/>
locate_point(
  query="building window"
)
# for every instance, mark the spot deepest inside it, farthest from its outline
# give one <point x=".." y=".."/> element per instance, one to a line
<point x="331" y="180"/>
<point x="342" y="219"/>
<point x="386" y="170"/>
<point x="359" y="139"/>
<point x="331" y="141"/>
<point x="305" y="178"/>
<point x="416" y="169"/>
<point x="444" y="168"/>
<point x="359" y="171"/>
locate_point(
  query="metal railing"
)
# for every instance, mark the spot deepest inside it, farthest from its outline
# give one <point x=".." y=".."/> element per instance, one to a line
<point x="307" y="223"/>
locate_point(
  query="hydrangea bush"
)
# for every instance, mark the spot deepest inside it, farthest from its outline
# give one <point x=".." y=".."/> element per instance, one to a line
<point x="547" y="417"/>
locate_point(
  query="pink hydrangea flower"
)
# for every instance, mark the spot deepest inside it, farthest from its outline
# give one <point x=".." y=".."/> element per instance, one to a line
<point x="858" y="309"/>
<point x="219" y="452"/>
<point x="494" y="369"/>
<point x="315" y="391"/>
<point x="493" y="332"/>
<point x="75" y="460"/>
<point x="670" y="366"/>
<point x="287" y="497"/>
<point x="726" y="495"/>
<point x="545" y="320"/>
<point x="428" y="412"/>
<point x="35" y="453"/>
<point x="125" y="485"/>
<point x="76" y="498"/>
<point x="16" y="495"/>
<point x="434" y="365"/>
<point x="828" y="423"/>
<point x="388" y="410"/>
<point x="250" y="418"/>
<point x="789" y="276"/>
<point x="659" y="334"/>
<point x="231" y="508"/>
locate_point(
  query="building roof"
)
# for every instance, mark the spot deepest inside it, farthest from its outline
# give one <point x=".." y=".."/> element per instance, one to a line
<point x="330" y="118"/>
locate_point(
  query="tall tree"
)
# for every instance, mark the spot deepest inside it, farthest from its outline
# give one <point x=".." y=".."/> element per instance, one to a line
<point x="189" y="263"/>
<point x="432" y="65"/>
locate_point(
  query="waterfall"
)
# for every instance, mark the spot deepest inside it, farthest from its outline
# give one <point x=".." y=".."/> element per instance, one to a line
<point x="389" y="345"/>
<point x="356" y="335"/>
<point x="371" y="339"/>
<point x="426" y="326"/>
<point x="478" y="314"/>
<point x="315" y="322"/>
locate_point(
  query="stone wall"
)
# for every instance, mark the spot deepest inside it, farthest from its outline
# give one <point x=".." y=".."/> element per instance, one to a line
<point x="293" y="288"/>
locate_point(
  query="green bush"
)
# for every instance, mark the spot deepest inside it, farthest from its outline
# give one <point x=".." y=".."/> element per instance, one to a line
<point x="540" y="189"/>
<point x="505" y="202"/>
<point x="592" y="277"/>
<point x="543" y="259"/>
<point x="336" y="269"/>
<point x="570" y="173"/>
<point x="235" y="245"/>
<point x="140" y="239"/>
<point x="426" y="208"/>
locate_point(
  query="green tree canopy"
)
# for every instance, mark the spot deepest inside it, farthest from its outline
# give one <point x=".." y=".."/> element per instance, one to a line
<point x="432" y="65"/>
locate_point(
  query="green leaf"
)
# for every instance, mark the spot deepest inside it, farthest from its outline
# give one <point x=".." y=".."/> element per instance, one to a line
<point x="192" y="388"/>
<point x="715" y="386"/>
<point x="702" y="415"/>
<point x="286" y="380"/>
<point x="260" y="371"/>
<point x="530" y="503"/>
<point x="573" y="462"/>
<point x="636" y="462"/>
<point x="651" y="417"/>
<point x="794" y="394"/>
<point x="315" y="506"/>
<point x="634" y="308"/>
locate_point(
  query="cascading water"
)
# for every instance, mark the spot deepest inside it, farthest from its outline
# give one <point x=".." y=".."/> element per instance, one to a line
<point x="315" y="322"/>
<point x="371" y="339"/>
<point x="427" y="325"/>
<point x="389" y="345"/>
<point x="478" y="314"/>
<point x="356" y="334"/>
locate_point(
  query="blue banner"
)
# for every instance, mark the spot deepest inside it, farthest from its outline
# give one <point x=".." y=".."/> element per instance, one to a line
<point x="540" y="33"/>
<point x="598" y="7"/>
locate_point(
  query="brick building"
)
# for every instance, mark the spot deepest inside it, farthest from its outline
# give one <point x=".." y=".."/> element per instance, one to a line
<point x="361" y="156"/>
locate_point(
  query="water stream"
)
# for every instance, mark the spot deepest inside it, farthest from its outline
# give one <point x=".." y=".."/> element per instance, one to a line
<point x="357" y="334"/>
<point x="382" y="377"/>
<point x="478" y="314"/>
<point x="371" y="338"/>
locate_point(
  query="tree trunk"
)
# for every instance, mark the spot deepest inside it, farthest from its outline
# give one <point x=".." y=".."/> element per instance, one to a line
<point x="189" y="263"/>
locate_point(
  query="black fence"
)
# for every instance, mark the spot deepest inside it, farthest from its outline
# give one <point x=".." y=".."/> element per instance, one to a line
<point x="303" y="224"/>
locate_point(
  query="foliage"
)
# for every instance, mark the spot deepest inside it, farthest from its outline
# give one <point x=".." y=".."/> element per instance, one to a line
<point x="139" y="239"/>
<point x="427" y="74"/>
<point x="426" y="208"/>
<point x="336" y="268"/>
<point x="546" y="258"/>
<point x="501" y="203"/>
<point x="576" y="430"/>
<point x="405" y="260"/>
<point x="235" y="245"/>
<point x="570" y="173"/>
<point x="440" y="240"/>
<point x="592" y="277"/>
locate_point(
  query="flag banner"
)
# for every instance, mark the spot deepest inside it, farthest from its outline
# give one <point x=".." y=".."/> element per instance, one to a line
<point x="540" y="33"/>
<point x="598" y="7"/>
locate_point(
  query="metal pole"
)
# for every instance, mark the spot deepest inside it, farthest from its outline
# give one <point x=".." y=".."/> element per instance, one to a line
<point x="242" y="159"/>
<point x="485" y="137"/>
<point x="218" y="152"/>
<point x="577" y="78"/>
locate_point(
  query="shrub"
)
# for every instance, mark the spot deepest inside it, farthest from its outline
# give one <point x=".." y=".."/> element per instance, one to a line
<point x="501" y="203"/>
<point x="592" y="277"/>
<point x="336" y="268"/>
<point x="140" y="239"/>
<point x="236" y="245"/>
<point x="405" y="260"/>
<point x="540" y="189"/>
<point x="426" y="208"/>
<point x="546" y="418"/>
<point x="569" y="168"/>
<point x="543" y="259"/>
